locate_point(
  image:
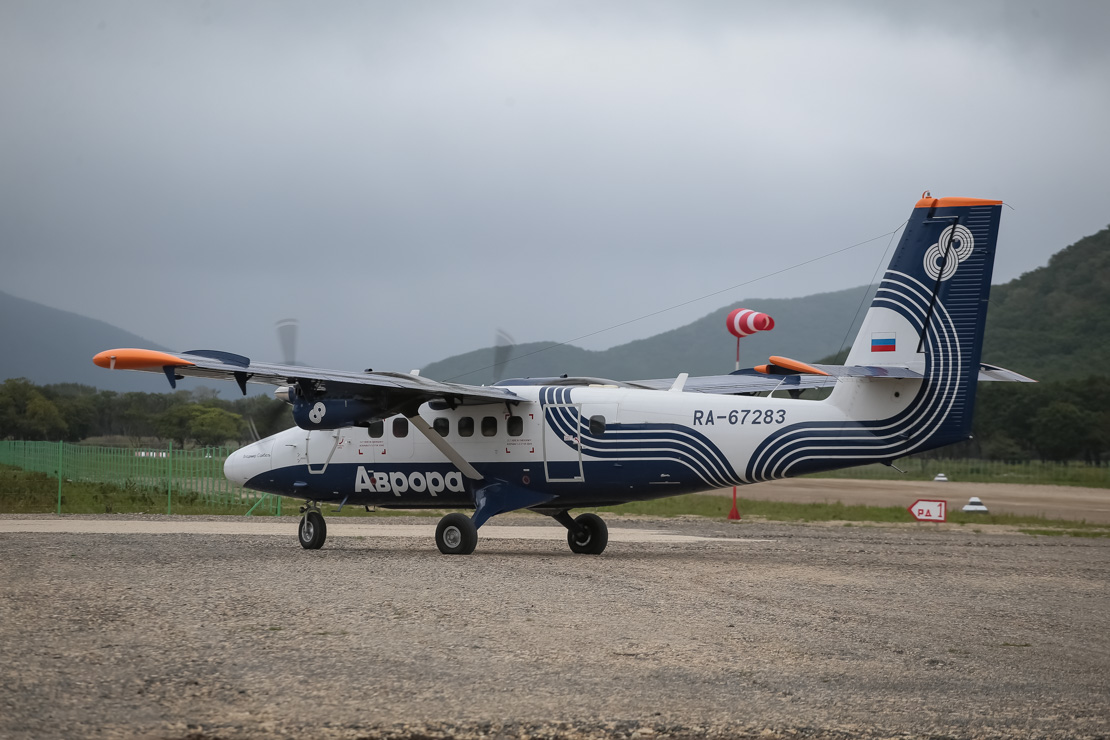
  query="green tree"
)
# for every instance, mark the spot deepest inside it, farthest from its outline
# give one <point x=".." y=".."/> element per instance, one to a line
<point x="213" y="426"/>
<point x="42" y="420"/>
<point x="1062" y="431"/>
<point x="25" y="413"/>
<point x="13" y="401"/>
<point x="176" y="423"/>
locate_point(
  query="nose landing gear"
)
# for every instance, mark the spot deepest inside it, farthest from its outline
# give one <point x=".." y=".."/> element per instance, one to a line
<point x="312" y="531"/>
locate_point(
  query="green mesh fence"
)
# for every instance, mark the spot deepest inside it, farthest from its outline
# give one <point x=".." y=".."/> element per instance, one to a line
<point x="194" y="477"/>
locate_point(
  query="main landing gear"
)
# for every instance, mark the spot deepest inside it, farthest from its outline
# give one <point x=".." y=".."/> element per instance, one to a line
<point x="586" y="533"/>
<point x="312" y="531"/>
<point x="457" y="535"/>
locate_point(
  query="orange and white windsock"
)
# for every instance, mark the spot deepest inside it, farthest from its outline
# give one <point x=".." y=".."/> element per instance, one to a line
<point x="743" y="322"/>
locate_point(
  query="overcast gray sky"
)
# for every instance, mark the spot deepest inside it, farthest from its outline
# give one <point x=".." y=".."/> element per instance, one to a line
<point x="405" y="177"/>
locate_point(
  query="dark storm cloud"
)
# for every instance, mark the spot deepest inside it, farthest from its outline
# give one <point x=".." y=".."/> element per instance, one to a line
<point x="406" y="177"/>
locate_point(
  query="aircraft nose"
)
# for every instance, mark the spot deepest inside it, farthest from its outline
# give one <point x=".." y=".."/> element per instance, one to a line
<point x="247" y="462"/>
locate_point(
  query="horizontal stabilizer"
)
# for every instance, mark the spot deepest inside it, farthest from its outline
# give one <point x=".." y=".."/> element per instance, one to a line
<point x="755" y="380"/>
<point x="993" y="372"/>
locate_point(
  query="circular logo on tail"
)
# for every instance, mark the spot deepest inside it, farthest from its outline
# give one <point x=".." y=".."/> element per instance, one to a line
<point x="957" y="243"/>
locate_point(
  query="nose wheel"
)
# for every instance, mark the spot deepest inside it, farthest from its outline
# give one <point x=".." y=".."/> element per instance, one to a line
<point x="312" y="531"/>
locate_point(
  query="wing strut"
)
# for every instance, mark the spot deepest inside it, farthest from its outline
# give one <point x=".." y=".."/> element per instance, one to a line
<point x="443" y="446"/>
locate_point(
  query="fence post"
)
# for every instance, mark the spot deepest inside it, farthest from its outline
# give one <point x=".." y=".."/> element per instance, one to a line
<point x="61" y="448"/>
<point x="169" y="479"/>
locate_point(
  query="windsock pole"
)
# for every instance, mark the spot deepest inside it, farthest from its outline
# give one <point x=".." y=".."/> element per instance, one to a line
<point x="734" y="515"/>
<point x="743" y="322"/>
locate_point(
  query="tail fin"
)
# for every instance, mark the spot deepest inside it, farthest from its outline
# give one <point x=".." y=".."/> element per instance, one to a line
<point x="928" y="315"/>
<point x="931" y="306"/>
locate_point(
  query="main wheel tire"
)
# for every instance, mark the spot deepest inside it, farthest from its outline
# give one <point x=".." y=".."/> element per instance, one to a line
<point x="594" y="537"/>
<point x="312" y="531"/>
<point x="456" y="535"/>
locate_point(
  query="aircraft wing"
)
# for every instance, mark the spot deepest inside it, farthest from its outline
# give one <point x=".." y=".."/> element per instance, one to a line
<point x="381" y="386"/>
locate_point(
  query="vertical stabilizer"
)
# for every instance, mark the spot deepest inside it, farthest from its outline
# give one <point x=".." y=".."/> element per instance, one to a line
<point x="928" y="315"/>
<point x="931" y="307"/>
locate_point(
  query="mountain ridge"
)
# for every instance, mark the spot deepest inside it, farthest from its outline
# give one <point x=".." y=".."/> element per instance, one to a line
<point x="48" y="345"/>
<point x="806" y="328"/>
<point x="1051" y="323"/>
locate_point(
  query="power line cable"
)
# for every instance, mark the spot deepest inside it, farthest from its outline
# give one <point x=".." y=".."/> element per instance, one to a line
<point x="867" y="289"/>
<point x="692" y="300"/>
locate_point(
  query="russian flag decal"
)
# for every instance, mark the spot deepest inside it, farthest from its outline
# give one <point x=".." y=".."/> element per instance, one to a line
<point x="883" y="342"/>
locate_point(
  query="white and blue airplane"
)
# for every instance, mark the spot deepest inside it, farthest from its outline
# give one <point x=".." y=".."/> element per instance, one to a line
<point x="397" y="440"/>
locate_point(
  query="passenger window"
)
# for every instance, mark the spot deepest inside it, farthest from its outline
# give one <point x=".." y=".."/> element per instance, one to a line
<point x="466" y="426"/>
<point x="515" y="426"/>
<point x="442" y="425"/>
<point x="489" y="426"/>
<point x="597" y="425"/>
<point x="376" y="429"/>
<point x="400" y="427"/>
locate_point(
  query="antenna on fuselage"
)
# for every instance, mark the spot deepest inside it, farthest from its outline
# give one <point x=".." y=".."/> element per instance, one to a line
<point x="503" y="347"/>
<point x="287" y="336"/>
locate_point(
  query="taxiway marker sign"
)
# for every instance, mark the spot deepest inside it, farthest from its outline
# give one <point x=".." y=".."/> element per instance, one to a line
<point x="925" y="510"/>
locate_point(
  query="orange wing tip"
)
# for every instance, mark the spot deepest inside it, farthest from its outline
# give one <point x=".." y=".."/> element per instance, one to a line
<point x="798" y="367"/>
<point x="136" y="359"/>
<point x="955" y="202"/>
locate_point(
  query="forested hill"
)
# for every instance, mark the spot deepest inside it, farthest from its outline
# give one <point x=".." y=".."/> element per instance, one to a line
<point x="1054" y="322"/>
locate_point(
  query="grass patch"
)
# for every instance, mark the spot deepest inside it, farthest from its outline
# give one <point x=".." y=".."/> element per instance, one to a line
<point x="1066" y="532"/>
<point x="781" y="511"/>
<point x="23" y="492"/>
<point x="981" y="471"/>
<point x="26" y="492"/>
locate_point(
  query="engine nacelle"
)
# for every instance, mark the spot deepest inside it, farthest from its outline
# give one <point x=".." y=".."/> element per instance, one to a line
<point x="333" y="413"/>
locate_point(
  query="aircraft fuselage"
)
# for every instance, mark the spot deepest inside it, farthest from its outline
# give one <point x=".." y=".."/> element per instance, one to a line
<point x="583" y="445"/>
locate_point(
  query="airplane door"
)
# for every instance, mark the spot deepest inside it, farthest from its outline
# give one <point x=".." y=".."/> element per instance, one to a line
<point x="319" y="447"/>
<point x="562" y="449"/>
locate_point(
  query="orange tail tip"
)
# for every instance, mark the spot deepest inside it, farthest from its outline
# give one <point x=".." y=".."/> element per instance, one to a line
<point x="136" y="359"/>
<point x="927" y="202"/>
